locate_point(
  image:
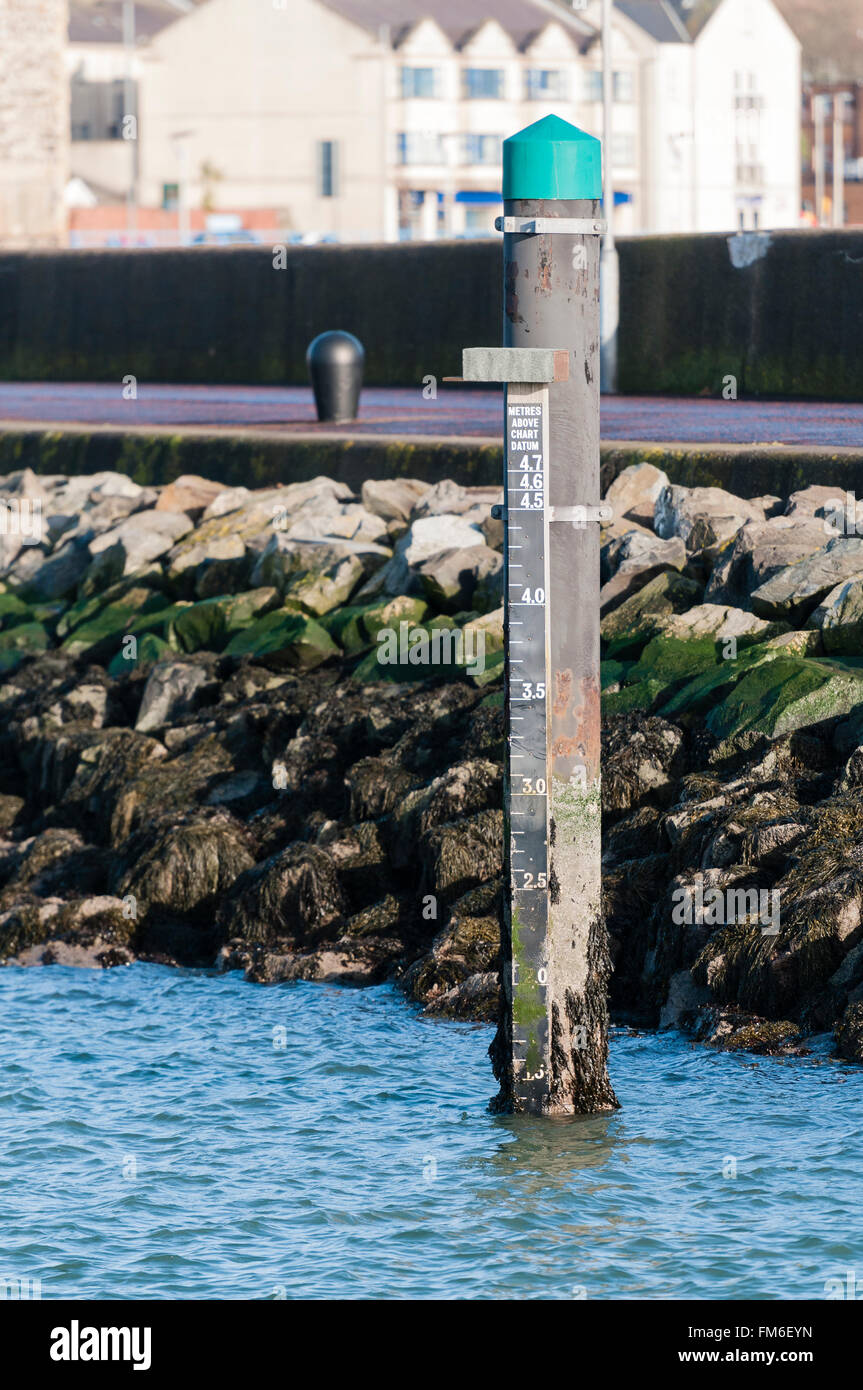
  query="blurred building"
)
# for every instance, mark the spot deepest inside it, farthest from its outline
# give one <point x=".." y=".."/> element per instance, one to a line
<point x="34" y="122"/>
<point x="384" y="119"/>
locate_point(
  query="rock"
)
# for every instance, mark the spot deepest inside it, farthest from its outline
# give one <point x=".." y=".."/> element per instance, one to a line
<point x="215" y="567"/>
<point x="461" y="791"/>
<point x="229" y="499"/>
<point x="720" y="622"/>
<point x="631" y="560"/>
<point x="189" y="494"/>
<point x="702" y="517"/>
<point x="319" y="575"/>
<point x="633" y="494"/>
<point x="185" y="868"/>
<point x="447" y="498"/>
<point x="730" y="1029"/>
<point x="450" y="578"/>
<point x="786" y="693"/>
<point x="59" y="575"/>
<point x="210" y="624"/>
<point x="427" y="537"/>
<point x="839" y="617"/>
<point x="805" y="643"/>
<point x="640" y="763"/>
<point x="99" y="629"/>
<point x="637" y="619"/>
<point x="812" y="501"/>
<point x="293" y="895"/>
<point x="284" y="640"/>
<point x="350" y="522"/>
<point x="761" y="550"/>
<point x="460" y="856"/>
<point x="684" y="999"/>
<point x="394" y="499"/>
<point x="169" y="694"/>
<point x="795" y="591"/>
<point x="381" y="616"/>
<point x="10" y="809"/>
<point x="131" y="546"/>
<point x="477" y="997"/>
<point x="849" y="1033"/>
<point x="490" y="625"/>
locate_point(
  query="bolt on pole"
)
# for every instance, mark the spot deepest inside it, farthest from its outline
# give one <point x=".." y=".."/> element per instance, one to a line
<point x="551" y="1052"/>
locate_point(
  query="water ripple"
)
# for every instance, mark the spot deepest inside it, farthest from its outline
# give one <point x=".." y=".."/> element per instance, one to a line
<point x="154" y="1143"/>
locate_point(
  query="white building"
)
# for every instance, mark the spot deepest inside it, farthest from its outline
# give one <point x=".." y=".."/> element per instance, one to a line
<point x="383" y="119"/>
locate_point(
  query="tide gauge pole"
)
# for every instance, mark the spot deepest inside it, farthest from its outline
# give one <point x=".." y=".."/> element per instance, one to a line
<point x="551" y="1051"/>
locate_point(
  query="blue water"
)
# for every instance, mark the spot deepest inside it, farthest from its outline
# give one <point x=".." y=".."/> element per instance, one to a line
<point x="155" y="1143"/>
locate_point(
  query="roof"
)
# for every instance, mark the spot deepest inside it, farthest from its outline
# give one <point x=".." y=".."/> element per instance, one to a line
<point x="658" y="18"/>
<point x="101" y="21"/>
<point x="523" y="20"/>
<point x="694" y="14"/>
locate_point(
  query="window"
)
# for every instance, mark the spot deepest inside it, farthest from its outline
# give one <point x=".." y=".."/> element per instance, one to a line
<point x="483" y="149"/>
<point x="99" y="108"/>
<point x="419" y="82"/>
<point x="546" y="84"/>
<point x="623" y="149"/>
<point x="624" y="87"/>
<point x="419" y="147"/>
<point x="328" y="171"/>
<point x="170" y="196"/>
<point x="593" y="86"/>
<point x="483" y="83"/>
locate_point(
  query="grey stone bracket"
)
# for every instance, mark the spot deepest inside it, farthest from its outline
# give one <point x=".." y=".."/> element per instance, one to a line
<point x="514" y="366"/>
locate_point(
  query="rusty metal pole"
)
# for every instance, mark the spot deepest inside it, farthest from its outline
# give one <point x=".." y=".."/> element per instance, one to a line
<point x="552" y="228"/>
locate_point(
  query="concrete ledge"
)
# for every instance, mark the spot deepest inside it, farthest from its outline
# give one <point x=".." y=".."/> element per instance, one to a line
<point x="252" y="458"/>
<point x="748" y="470"/>
<point x="259" y="458"/>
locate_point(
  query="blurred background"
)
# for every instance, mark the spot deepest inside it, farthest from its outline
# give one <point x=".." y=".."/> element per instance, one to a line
<point x="196" y="122"/>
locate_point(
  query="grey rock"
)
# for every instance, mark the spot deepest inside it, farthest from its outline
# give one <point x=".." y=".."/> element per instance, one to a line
<point x="633" y="494"/>
<point x="59" y="576"/>
<point x="449" y="579"/>
<point x="169" y="693"/>
<point x="760" y="550"/>
<point x="703" y="517"/>
<point x="795" y="591"/>
<point x="393" y="499"/>
<point x="839" y="616"/>
<point x="631" y="560"/>
<point x="427" y="536"/>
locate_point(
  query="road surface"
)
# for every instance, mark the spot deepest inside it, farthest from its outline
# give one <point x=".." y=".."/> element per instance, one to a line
<point x="404" y="411"/>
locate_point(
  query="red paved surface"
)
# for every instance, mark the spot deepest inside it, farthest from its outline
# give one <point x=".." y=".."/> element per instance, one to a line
<point x="406" y="412"/>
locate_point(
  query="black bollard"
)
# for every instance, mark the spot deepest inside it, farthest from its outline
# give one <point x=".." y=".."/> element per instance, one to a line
<point x="335" y="361"/>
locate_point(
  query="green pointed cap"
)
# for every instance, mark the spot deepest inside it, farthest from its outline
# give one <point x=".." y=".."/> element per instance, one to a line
<point x="552" y="159"/>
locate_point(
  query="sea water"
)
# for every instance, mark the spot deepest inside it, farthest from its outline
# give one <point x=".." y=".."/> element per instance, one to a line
<point x="186" y="1135"/>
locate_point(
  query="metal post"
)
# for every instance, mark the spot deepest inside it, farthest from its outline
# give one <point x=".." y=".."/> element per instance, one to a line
<point x="129" y="102"/>
<point x="609" y="260"/>
<point x="818" y="105"/>
<point x="839" y="99"/>
<point x="556" y="961"/>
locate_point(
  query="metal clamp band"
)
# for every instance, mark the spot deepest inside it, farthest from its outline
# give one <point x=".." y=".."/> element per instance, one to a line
<point x="600" y="512"/>
<point x="536" y="226"/>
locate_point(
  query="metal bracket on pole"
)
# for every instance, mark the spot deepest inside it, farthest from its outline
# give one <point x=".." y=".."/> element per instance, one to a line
<point x="600" y="512"/>
<point x="540" y="226"/>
